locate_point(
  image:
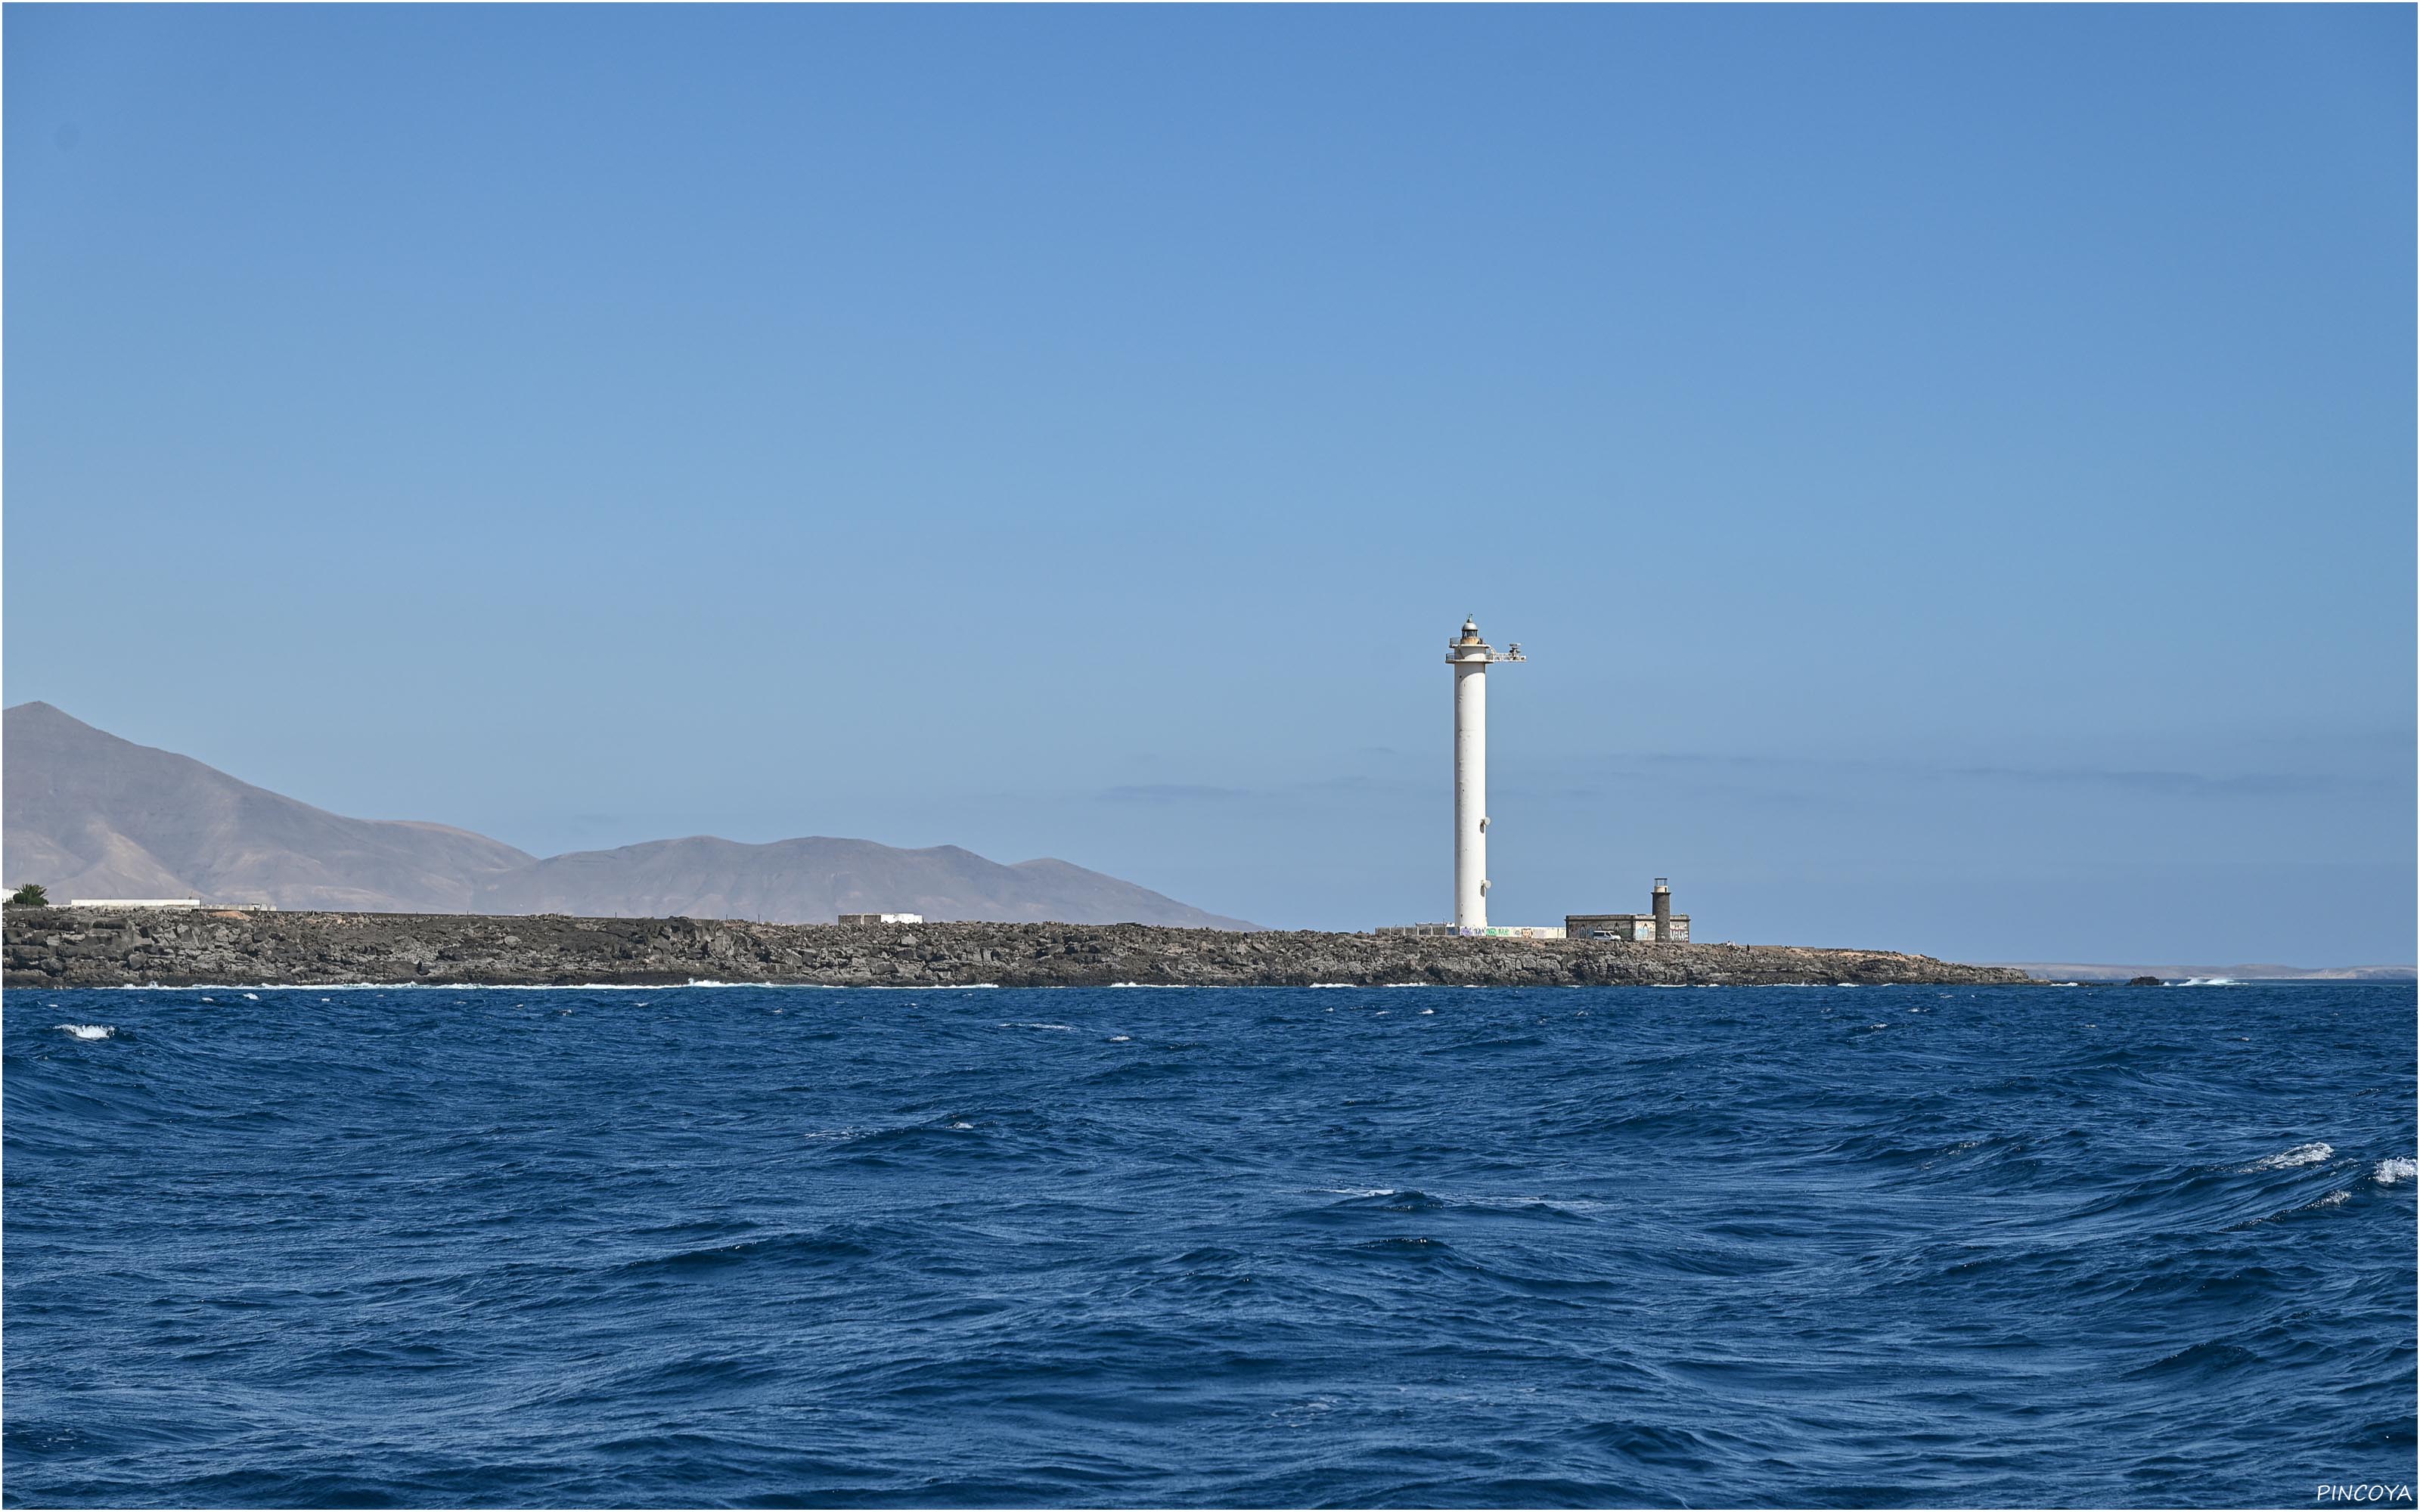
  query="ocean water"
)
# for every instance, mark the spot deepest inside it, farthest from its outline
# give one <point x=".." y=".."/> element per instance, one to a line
<point x="1433" y="1246"/>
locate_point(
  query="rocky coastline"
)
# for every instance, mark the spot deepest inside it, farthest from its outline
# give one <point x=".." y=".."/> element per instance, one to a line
<point x="89" y="948"/>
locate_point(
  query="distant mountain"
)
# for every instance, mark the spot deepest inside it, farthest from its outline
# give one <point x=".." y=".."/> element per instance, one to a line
<point x="89" y="815"/>
<point x="810" y="881"/>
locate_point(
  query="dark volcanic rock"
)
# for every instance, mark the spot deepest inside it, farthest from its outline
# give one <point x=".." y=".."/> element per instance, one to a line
<point x="2145" y="982"/>
<point x="82" y="947"/>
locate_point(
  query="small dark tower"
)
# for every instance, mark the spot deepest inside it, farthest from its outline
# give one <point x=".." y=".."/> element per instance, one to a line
<point x="1663" y="906"/>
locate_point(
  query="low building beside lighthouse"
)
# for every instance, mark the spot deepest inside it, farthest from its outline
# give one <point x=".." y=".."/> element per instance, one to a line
<point x="1660" y="924"/>
<point x="1491" y="931"/>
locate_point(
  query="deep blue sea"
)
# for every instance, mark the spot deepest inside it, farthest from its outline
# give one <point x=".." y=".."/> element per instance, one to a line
<point x="1413" y="1246"/>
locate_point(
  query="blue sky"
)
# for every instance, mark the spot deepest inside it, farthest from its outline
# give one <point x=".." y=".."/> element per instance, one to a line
<point x="1952" y="467"/>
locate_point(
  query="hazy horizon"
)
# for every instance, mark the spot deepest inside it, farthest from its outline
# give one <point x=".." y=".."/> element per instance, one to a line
<point x="1951" y="470"/>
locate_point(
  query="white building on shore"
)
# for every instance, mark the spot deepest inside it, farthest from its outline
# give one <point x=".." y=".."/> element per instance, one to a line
<point x="135" y="902"/>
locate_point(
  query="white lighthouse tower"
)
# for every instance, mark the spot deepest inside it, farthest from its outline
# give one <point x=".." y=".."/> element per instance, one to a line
<point x="1469" y="657"/>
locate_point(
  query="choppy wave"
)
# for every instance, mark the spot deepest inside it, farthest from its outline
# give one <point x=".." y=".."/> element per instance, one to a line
<point x="433" y="1246"/>
<point x="920" y="987"/>
<point x="2310" y="1155"/>
<point x="86" y="1031"/>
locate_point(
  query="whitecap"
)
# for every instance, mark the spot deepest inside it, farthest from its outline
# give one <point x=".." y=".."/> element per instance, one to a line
<point x="1037" y="1025"/>
<point x="2207" y="982"/>
<point x="1428" y="1010"/>
<point x="962" y="1124"/>
<point x="2332" y="1199"/>
<point x="1120" y="1039"/>
<point x="865" y="987"/>
<point x="252" y="998"/>
<point x="87" y="1031"/>
<point x="2310" y="1155"/>
<point x="2394" y="1168"/>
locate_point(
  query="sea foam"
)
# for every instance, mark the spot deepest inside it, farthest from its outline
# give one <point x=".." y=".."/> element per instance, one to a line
<point x="2310" y="1155"/>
